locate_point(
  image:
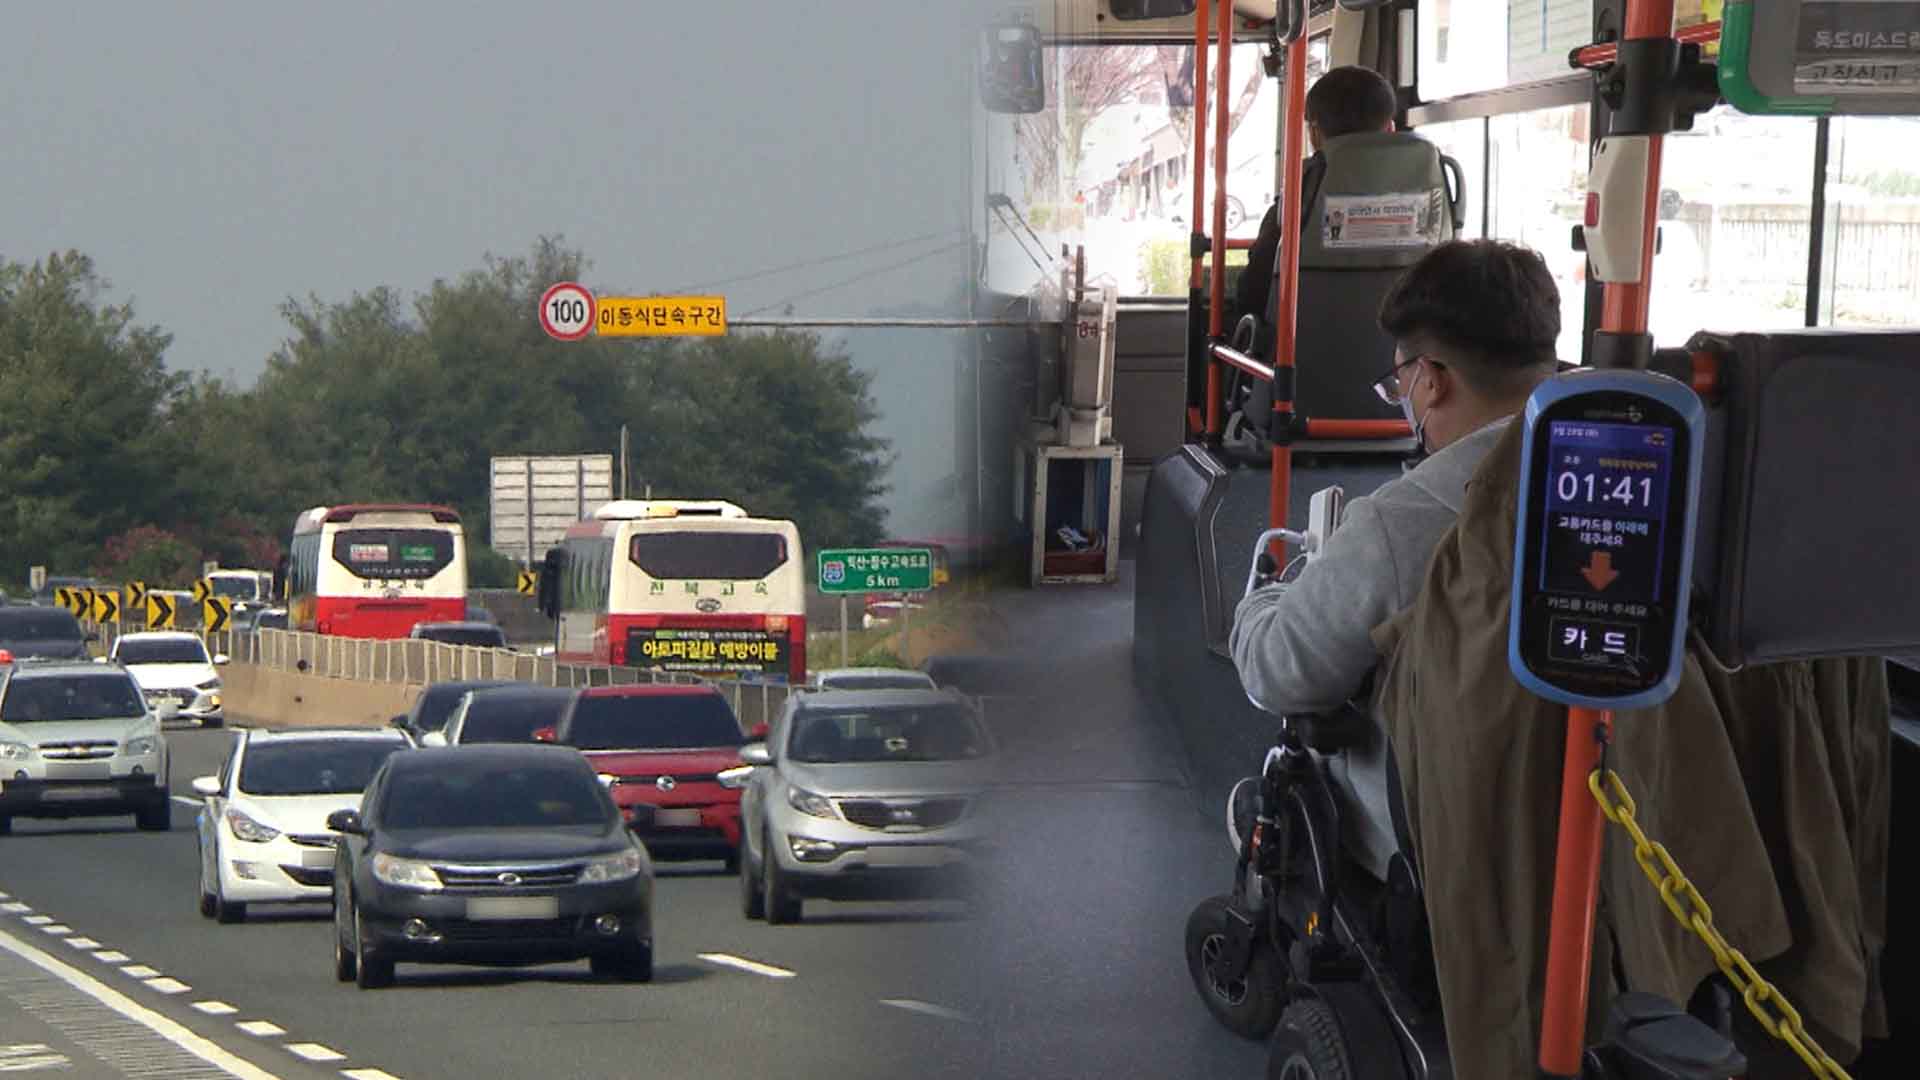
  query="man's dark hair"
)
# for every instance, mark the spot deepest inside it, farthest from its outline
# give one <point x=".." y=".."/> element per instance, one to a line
<point x="1351" y="99"/>
<point x="1485" y="307"/>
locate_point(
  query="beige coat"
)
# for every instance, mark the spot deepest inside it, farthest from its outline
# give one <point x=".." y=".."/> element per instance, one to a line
<point x="1769" y="787"/>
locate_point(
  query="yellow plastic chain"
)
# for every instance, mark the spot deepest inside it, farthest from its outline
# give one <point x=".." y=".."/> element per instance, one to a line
<point x="1677" y="891"/>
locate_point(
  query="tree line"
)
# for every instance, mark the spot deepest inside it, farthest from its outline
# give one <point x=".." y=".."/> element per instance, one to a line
<point x="112" y="462"/>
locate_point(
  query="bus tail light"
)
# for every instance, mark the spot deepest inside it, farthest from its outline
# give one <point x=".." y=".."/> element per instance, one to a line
<point x="326" y="626"/>
<point x="777" y="624"/>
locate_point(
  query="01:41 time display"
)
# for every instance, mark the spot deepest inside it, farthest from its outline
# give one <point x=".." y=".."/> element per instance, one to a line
<point x="1621" y="490"/>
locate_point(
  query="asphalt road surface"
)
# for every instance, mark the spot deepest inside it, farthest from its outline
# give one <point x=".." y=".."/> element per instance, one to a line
<point x="1070" y="967"/>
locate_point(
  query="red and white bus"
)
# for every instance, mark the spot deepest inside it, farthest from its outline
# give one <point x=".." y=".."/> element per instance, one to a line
<point x="688" y="587"/>
<point x="374" y="570"/>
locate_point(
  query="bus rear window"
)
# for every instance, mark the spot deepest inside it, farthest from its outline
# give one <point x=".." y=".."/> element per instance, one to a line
<point x="393" y="554"/>
<point x="708" y="556"/>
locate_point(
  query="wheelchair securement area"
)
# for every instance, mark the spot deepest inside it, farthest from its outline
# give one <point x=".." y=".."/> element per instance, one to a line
<point x="1750" y="768"/>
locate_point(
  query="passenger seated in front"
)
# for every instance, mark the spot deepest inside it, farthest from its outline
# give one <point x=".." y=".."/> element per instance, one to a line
<point x="1344" y="101"/>
<point x="1474" y="324"/>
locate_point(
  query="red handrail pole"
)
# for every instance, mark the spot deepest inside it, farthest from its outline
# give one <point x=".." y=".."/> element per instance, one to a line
<point x="1576" y="874"/>
<point x="1215" y="378"/>
<point x="1217" y="291"/>
<point x="1576" y="889"/>
<point x="1357" y="429"/>
<point x="1200" y="12"/>
<point x="1287" y="280"/>
<point x="1597" y="55"/>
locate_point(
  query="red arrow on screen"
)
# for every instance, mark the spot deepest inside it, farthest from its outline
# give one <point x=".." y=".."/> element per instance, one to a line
<point x="1599" y="571"/>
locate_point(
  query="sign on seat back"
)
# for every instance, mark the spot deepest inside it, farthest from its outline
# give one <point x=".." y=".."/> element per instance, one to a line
<point x="1385" y="200"/>
<point x="1808" y="504"/>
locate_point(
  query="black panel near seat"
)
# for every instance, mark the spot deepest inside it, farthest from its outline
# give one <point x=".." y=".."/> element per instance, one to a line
<point x="1808" y="503"/>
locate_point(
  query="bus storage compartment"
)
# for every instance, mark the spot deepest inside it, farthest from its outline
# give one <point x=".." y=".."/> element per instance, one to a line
<point x="1070" y="520"/>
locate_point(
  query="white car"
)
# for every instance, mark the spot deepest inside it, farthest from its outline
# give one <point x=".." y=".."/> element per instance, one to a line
<point x="172" y="666"/>
<point x="263" y="821"/>
<point x="870" y="678"/>
<point x="76" y="740"/>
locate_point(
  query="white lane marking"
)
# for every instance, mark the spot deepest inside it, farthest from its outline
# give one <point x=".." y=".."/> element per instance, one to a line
<point x="37" y="920"/>
<point x="167" y="1029"/>
<point x="367" y="1074"/>
<point x="112" y="957"/>
<point x="83" y="943"/>
<point x="315" y="1052"/>
<point x="15" y="908"/>
<point x="940" y="1011"/>
<point x="261" y="1028"/>
<point x="167" y="985"/>
<point x="25" y="1057"/>
<point x="184" y="801"/>
<point x="139" y="971"/>
<point x="215" y="1008"/>
<point x="755" y="966"/>
<point x="57" y="930"/>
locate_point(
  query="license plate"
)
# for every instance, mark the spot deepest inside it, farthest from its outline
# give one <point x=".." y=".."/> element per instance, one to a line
<point x="919" y="855"/>
<point x="513" y="907"/>
<point x="678" y="818"/>
<point x="317" y="860"/>
<point x="78" y="794"/>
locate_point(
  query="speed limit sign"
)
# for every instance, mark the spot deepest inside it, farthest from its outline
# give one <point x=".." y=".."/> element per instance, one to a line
<point x="566" y="311"/>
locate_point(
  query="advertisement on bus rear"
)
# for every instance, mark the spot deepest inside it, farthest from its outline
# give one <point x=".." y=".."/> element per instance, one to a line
<point x="759" y="653"/>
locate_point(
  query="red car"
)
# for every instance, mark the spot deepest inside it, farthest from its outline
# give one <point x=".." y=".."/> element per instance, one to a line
<point x="660" y="749"/>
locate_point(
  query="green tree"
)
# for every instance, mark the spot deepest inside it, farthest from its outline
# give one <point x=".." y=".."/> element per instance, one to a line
<point x="85" y="389"/>
<point x="775" y="422"/>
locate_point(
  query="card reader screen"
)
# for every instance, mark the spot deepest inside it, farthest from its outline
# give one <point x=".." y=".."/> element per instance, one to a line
<point x="1604" y="530"/>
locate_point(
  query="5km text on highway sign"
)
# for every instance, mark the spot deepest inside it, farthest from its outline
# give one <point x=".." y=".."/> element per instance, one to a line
<point x="850" y="571"/>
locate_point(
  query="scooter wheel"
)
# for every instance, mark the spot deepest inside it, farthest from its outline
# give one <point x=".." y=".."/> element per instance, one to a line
<point x="1308" y="1045"/>
<point x="1250" y="1005"/>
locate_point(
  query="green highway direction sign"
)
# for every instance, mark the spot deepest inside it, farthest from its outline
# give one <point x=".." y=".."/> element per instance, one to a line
<point x="851" y="571"/>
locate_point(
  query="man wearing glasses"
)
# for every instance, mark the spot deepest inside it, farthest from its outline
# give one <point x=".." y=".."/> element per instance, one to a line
<point x="1474" y="324"/>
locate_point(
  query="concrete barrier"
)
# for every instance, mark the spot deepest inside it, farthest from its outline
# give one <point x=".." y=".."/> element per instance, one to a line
<point x="269" y="698"/>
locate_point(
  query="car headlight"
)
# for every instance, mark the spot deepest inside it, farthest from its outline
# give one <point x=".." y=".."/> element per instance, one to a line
<point x="404" y="873"/>
<point x="15" y="751"/>
<point x="142" y="746"/>
<point x="210" y="684"/>
<point x="736" y="777"/>
<point x="618" y="867"/>
<point x="809" y="803"/>
<point x="248" y="829"/>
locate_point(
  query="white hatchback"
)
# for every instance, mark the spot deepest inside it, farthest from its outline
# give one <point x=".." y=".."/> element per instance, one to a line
<point x="263" y="821"/>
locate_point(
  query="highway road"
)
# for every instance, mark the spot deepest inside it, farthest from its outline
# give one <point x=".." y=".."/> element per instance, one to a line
<point x="1071" y="967"/>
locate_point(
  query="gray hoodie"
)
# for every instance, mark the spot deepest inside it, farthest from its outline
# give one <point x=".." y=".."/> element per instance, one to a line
<point x="1306" y="647"/>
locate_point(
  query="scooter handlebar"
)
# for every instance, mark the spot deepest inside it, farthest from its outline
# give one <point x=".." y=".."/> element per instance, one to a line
<point x="1263" y="571"/>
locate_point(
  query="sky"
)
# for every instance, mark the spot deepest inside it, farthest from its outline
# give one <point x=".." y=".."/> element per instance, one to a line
<point x="216" y="159"/>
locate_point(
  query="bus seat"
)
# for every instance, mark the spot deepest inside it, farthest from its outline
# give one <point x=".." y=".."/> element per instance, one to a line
<point x="1348" y="263"/>
<point x="1805" y="545"/>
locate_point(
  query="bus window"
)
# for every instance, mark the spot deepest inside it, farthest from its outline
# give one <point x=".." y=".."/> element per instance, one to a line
<point x="708" y="556"/>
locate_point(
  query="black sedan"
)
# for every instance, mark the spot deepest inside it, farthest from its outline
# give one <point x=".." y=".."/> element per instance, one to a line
<point x="490" y="854"/>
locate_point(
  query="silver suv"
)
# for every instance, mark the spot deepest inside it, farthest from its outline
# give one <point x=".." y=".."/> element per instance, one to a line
<point x="860" y="795"/>
<point x="79" y="740"/>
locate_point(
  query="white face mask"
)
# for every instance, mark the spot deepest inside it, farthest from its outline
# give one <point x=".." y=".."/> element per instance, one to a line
<point x="1419" y="426"/>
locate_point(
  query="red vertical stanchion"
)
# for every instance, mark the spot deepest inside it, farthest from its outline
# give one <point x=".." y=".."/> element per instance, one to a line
<point x="1217" y="289"/>
<point x="1576" y="879"/>
<point x="1287" y="280"/>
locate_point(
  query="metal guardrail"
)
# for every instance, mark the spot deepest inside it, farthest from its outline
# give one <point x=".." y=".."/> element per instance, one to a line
<point x="410" y="662"/>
